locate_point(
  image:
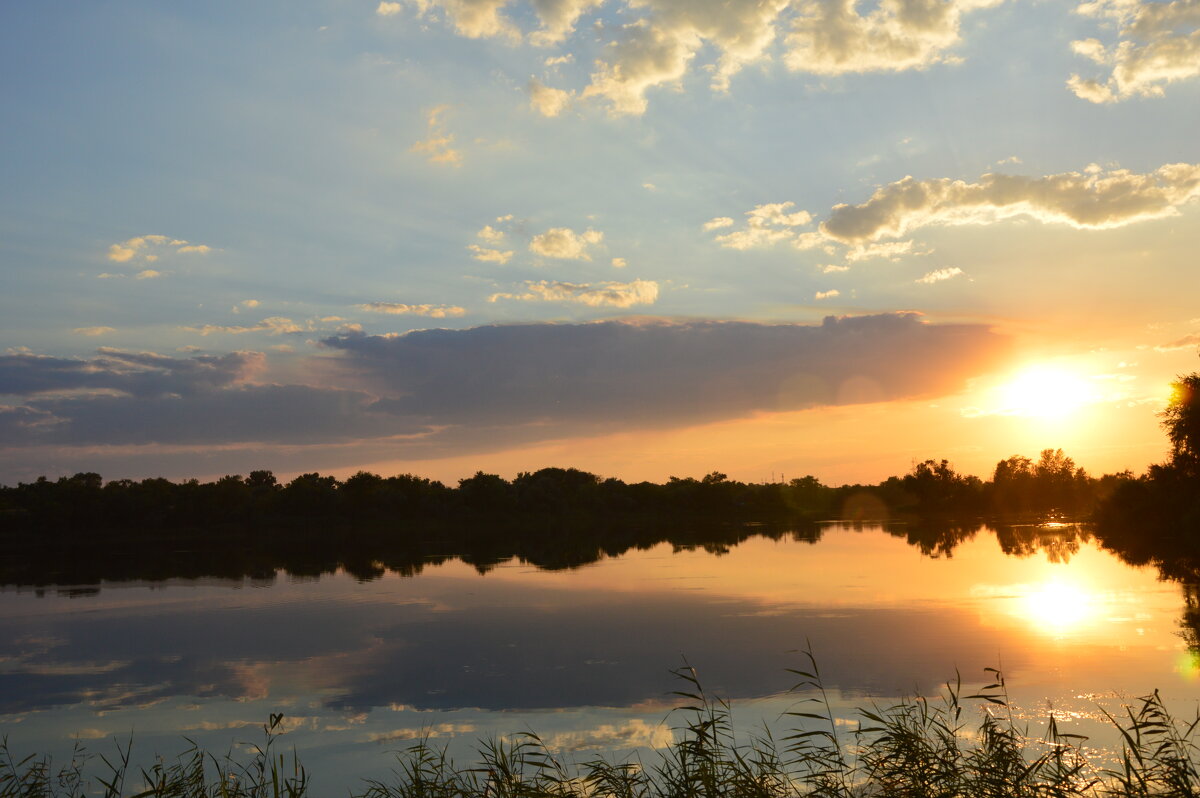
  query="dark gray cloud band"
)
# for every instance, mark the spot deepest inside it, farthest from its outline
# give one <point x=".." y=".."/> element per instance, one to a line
<point x="459" y="390"/>
<point x="661" y="372"/>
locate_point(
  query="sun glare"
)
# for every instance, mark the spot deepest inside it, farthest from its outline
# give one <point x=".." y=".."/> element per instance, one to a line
<point x="1045" y="392"/>
<point x="1057" y="607"/>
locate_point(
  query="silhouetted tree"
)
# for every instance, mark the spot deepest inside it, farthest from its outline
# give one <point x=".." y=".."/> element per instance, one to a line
<point x="1181" y="418"/>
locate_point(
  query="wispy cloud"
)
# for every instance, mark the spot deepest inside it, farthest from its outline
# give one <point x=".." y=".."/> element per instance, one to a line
<point x="619" y="295"/>
<point x="635" y="733"/>
<point x="93" y="331"/>
<point x="939" y="275"/>
<point x="1186" y="342"/>
<point x="400" y="309"/>
<point x="438" y="147"/>
<point x="488" y="255"/>
<point x="1094" y="199"/>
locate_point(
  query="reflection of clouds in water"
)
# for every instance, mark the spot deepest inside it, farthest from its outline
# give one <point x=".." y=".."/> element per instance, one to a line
<point x="635" y="733"/>
<point x="427" y="732"/>
<point x="486" y="646"/>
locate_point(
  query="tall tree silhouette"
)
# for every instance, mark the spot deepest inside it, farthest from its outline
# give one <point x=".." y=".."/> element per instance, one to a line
<point x="1181" y="419"/>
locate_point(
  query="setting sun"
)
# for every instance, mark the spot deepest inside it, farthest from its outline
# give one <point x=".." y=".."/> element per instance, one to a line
<point x="1045" y="392"/>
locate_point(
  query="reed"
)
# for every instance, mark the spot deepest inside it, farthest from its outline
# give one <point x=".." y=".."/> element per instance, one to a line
<point x="915" y="748"/>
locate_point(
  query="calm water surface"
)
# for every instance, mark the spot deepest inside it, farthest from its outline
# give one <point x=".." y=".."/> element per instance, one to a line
<point x="583" y="656"/>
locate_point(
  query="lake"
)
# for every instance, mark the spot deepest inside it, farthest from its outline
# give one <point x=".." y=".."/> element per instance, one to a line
<point x="362" y="667"/>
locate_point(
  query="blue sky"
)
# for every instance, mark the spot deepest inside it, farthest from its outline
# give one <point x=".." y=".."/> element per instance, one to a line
<point x="260" y="194"/>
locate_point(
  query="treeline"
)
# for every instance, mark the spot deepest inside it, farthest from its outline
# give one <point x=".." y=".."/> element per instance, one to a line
<point x="85" y="502"/>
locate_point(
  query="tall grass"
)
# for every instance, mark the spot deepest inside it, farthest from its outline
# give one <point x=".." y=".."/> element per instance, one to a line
<point x="916" y="748"/>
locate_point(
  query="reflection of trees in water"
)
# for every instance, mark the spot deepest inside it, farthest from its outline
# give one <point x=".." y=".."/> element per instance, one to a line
<point x="935" y="538"/>
<point x="1189" y="624"/>
<point x="365" y="553"/>
<point x="1058" y="542"/>
<point x="77" y="564"/>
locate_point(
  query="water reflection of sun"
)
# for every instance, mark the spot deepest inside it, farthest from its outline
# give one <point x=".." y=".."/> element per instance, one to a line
<point x="1057" y="607"/>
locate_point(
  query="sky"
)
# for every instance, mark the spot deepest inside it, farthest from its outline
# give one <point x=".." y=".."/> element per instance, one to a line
<point x="640" y="237"/>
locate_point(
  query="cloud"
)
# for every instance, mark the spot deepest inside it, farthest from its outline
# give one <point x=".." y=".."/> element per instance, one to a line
<point x="490" y="255"/>
<point x="140" y="374"/>
<point x="93" y="331"/>
<point x="940" y="275"/>
<point x="635" y="733"/>
<point x="279" y="414"/>
<point x="546" y="100"/>
<point x="619" y="295"/>
<point x="438" y="147"/>
<point x="150" y="247"/>
<point x="387" y="9"/>
<point x="397" y="308"/>
<point x="619" y="263"/>
<point x="565" y="244"/>
<point x="619" y="374"/>
<point x="558" y="18"/>
<point x="658" y="49"/>
<point x="273" y="325"/>
<point x="831" y="37"/>
<point x="422" y="732"/>
<point x="663" y="39"/>
<point x="147" y="274"/>
<point x="1157" y="43"/>
<point x="890" y="250"/>
<point x="475" y="19"/>
<point x="826" y="294"/>
<point x="765" y="225"/>
<point x="718" y="223"/>
<point x="490" y="234"/>
<point x="1094" y="199"/>
<point x="422" y="393"/>
<point x="1186" y="342"/>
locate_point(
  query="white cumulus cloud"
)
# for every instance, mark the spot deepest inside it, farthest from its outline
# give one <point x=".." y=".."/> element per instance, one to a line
<point x="765" y="225"/>
<point x="546" y="100"/>
<point x="834" y="37"/>
<point x="565" y="244"/>
<point x="1157" y="43"/>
